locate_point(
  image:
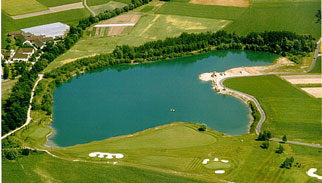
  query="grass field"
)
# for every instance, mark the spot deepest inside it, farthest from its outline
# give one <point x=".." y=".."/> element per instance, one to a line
<point x="169" y="150"/>
<point x="289" y="111"/>
<point x="201" y="11"/>
<point x="18" y="7"/>
<point x="147" y="8"/>
<point x="51" y="3"/>
<point x="150" y="27"/>
<point x="292" y="16"/>
<point x="99" y="2"/>
<point x="6" y="87"/>
<point x="317" y="68"/>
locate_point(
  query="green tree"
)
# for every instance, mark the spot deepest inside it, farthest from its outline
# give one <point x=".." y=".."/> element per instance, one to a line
<point x="284" y="138"/>
<point x="5" y="71"/>
<point x="203" y="127"/>
<point x="288" y="162"/>
<point x="11" y="154"/>
<point x="280" y="149"/>
<point x="265" y="145"/>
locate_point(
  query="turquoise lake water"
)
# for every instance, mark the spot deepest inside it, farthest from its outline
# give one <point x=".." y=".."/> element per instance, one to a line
<point x="124" y="99"/>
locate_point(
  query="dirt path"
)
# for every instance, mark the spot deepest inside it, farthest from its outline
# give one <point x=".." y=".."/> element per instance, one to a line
<point x="51" y="10"/>
<point x="29" y="109"/>
<point x="89" y="8"/>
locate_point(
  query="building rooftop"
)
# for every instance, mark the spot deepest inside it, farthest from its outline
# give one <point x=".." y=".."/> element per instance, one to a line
<point x="25" y="50"/>
<point x="20" y="55"/>
<point x="48" y="30"/>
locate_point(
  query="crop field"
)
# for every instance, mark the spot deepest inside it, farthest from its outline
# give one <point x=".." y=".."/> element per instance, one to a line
<point x="289" y="110"/>
<point x="297" y="17"/>
<point x="51" y="3"/>
<point x="6" y="87"/>
<point x="236" y="3"/>
<point x="108" y="6"/>
<point x="18" y="7"/>
<point x="100" y="2"/>
<point x="317" y="67"/>
<point x="201" y="11"/>
<point x="150" y="27"/>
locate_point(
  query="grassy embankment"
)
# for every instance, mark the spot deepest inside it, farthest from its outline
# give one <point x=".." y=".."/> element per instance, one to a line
<point x="289" y="110"/>
<point x="175" y="149"/>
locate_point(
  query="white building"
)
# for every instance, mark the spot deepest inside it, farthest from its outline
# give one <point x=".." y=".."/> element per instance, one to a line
<point x="48" y="30"/>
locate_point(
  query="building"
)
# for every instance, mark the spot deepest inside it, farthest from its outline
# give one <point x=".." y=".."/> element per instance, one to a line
<point x="20" y="56"/>
<point x="26" y="51"/>
<point x="53" y="30"/>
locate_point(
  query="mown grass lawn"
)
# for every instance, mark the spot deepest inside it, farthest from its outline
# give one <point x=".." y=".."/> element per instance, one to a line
<point x="291" y="16"/>
<point x="289" y="110"/>
<point x="6" y="87"/>
<point x="317" y="67"/>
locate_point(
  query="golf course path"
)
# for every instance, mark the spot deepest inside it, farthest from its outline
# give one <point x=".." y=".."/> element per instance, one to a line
<point x="223" y="76"/>
<point x="298" y="143"/>
<point x="89" y="8"/>
<point x="29" y="109"/>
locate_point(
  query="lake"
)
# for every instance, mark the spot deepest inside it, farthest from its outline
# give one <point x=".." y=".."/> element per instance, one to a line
<point x="124" y="99"/>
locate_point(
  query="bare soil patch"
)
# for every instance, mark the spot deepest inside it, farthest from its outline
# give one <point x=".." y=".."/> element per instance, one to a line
<point x="303" y="79"/>
<point x="51" y="10"/>
<point x="314" y="91"/>
<point x="235" y="3"/>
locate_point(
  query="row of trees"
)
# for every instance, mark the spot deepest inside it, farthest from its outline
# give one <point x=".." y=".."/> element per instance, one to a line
<point x="14" y="109"/>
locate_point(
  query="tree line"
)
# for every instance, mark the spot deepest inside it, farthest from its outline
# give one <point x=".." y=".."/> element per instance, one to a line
<point x="14" y="109"/>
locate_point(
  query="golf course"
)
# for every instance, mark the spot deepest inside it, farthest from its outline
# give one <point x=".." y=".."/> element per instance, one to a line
<point x="166" y="91"/>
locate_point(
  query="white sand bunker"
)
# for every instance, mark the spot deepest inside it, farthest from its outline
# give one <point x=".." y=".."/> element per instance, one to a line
<point x="108" y="155"/>
<point x="224" y="161"/>
<point x="312" y="174"/>
<point x="219" y="171"/>
<point x="205" y="161"/>
<point x="216" y="159"/>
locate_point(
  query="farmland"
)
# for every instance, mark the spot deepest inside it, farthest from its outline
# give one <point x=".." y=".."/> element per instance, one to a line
<point x="111" y="5"/>
<point x="18" y="7"/>
<point x="289" y="110"/>
<point x="100" y="2"/>
<point x="150" y="27"/>
<point x="6" y="87"/>
<point x="50" y="3"/>
<point x="297" y="17"/>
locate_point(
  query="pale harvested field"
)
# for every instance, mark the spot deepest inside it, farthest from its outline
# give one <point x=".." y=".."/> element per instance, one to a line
<point x="314" y="91"/>
<point x="303" y="79"/>
<point x="130" y="18"/>
<point x="51" y="10"/>
<point x="236" y="3"/>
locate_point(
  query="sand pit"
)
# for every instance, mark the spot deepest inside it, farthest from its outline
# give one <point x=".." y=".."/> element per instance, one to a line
<point x="108" y="155"/>
<point x="303" y="79"/>
<point x="205" y="161"/>
<point x="314" y="91"/>
<point x="219" y="171"/>
<point x="235" y="3"/>
<point x="216" y="159"/>
<point x="224" y="161"/>
<point x="206" y="76"/>
<point x="311" y="173"/>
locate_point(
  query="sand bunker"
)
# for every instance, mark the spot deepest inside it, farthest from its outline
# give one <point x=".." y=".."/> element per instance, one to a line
<point x="108" y="155"/>
<point x="314" y="91"/>
<point x="216" y="159"/>
<point x="219" y="171"/>
<point x="303" y="79"/>
<point x="224" y="161"/>
<point x="205" y="161"/>
<point x="312" y="174"/>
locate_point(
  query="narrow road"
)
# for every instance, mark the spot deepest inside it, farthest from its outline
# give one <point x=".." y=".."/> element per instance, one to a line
<point x="298" y="143"/>
<point x="29" y="109"/>
<point x="89" y="8"/>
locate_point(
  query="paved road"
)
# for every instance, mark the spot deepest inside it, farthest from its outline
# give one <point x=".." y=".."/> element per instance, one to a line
<point x="298" y="143"/>
<point x="29" y="109"/>
<point x="263" y="116"/>
<point x="89" y="8"/>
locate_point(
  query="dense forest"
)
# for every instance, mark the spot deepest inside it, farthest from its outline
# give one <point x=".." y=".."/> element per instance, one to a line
<point x="14" y="111"/>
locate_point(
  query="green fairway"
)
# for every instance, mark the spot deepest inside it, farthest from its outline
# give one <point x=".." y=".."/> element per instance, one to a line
<point x="201" y="11"/>
<point x="44" y="168"/>
<point x="297" y="17"/>
<point x="150" y="27"/>
<point x="289" y="110"/>
<point x="51" y="3"/>
<point x="18" y="7"/>
<point x="100" y="2"/>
